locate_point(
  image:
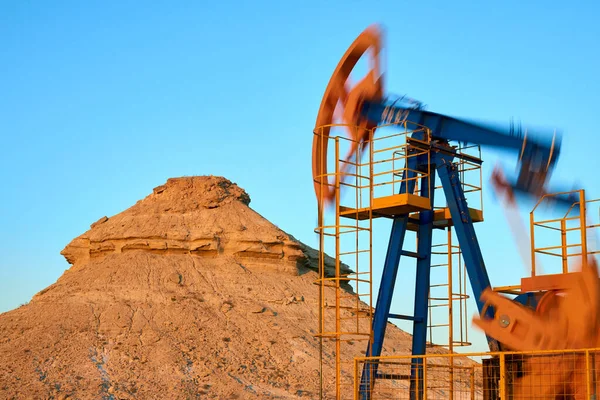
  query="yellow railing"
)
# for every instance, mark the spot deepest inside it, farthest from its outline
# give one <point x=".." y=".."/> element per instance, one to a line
<point x="557" y="241"/>
<point x="471" y="176"/>
<point x="448" y="307"/>
<point x="390" y="156"/>
<point x="566" y="374"/>
<point x="377" y="169"/>
<point x="345" y="279"/>
<point x="448" y="297"/>
<point x="572" y="231"/>
<point x="345" y="298"/>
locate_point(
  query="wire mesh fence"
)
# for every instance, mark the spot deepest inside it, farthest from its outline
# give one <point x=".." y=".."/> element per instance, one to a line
<point x="571" y="374"/>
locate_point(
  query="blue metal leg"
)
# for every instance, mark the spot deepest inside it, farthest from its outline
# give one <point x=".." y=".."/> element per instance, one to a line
<point x="424" y="237"/>
<point x="386" y="287"/>
<point x="465" y="231"/>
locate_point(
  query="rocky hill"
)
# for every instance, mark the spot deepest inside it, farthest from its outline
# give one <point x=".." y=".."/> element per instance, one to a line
<point x="187" y="294"/>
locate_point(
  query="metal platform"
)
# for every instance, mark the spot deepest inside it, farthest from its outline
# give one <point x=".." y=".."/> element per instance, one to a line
<point x="442" y="218"/>
<point x="388" y="206"/>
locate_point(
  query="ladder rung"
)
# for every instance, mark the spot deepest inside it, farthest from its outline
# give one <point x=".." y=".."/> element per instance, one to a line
<point x="439" y="285"/>
<point x="405" y="317"/>
<point x="392" y="376"/>
<point x="354" y="252"/>
<point x="410" y="254"/>
<point x="356" y="316"/>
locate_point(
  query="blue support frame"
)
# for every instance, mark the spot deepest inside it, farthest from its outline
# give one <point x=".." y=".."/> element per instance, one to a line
<point x="444" y="127"/>
<point x="424" y="237"/>
<point x="388" y="281"/>
<point x="534" y="152"/>
<point x="465" y="232"/>
<point x="538" y="151"/>
<point x="446" y="170"/>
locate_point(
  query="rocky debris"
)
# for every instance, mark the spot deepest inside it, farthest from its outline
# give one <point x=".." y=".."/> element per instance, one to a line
<point x="187" y="294"/>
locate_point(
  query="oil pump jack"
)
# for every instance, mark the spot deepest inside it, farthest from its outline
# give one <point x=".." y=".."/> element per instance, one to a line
<point x="365" y="108"/>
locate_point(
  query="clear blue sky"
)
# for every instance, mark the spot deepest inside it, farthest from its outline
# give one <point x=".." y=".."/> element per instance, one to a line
<point x="102" y="101"/>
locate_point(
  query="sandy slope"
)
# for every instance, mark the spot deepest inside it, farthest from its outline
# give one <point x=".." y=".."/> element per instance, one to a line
<point x="188" y="294"/>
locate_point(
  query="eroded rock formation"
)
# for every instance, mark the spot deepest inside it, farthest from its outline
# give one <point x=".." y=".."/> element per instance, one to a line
<point x="187" y="294"/>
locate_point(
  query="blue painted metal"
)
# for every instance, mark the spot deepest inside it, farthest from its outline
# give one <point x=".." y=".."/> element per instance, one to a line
<point x="465" y="232"/>
<point x="442" y="161"/>
<point x="405" y="317"/>
<point x="461" y="130"/>
<point x="424" y="237"/>
<point x="387" y="283"/>
<point x="538" y="151"/>
<point x="530" y="299"/>
<point x="537" y="156"/>
<point x="410" y="254"/>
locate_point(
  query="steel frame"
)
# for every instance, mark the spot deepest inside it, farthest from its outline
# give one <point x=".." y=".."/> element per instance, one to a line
<point x="441" y="161"/>
<point x="365" y="107"/>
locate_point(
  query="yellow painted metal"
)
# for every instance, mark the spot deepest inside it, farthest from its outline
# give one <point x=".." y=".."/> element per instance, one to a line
<point x="543" y="374"/>
<point x="563" y="244"/>
<point x="337" y="274"/>
<point x="472" y="382"/>
<point x="387" y="206"/>
<point x="571" y="237"/>
<point x="450" y="317"/>
<point x="448" y="290"/>
<point x="343" y="316"/>
<point x="588" y="385"/>
<point x="443" y="219"/>
<point x="448" y="269"/>
<point x="557" y="241"/>
<point x="502" y="383"/>
<point x="471" y="177"/>
<point x="363" y="188"/>
<point x="457" y="384"/>
<point x="511" y="289"/>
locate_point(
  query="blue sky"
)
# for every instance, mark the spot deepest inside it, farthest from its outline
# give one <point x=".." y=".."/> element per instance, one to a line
<point x="102" y="101"/>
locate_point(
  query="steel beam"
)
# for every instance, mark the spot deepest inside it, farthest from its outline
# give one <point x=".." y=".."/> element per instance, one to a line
<point x="463" y="130"/>
<point x="388" y="282"/>
<point x="465" y="232"/>
<point x="424" y="241"/>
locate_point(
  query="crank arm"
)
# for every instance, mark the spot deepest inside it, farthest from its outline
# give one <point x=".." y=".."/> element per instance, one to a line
<point x="581" y="307"/>
<point x="514" y="325"/>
